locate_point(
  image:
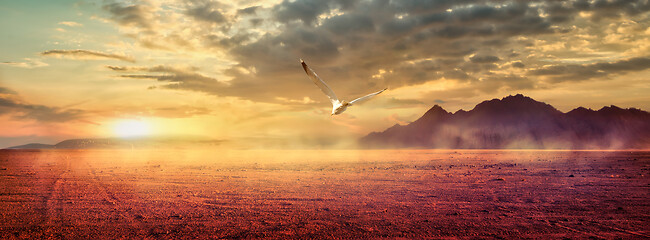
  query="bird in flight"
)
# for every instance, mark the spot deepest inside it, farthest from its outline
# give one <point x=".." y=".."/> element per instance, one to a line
<point x="338" y="106"/>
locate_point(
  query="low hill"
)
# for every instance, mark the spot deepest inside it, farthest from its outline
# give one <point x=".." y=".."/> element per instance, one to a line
<point x="117" y="143"/>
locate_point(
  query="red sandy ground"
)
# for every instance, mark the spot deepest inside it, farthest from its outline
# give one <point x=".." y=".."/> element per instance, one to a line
<point x="324" y="194"/>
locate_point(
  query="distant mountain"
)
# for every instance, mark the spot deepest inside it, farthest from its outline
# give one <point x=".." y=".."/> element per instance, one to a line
<point x="33" y="146"/>
<point x="116" y="143"/>
<point x="519" y="122"/>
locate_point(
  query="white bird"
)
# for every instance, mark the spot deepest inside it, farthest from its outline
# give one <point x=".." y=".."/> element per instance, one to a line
<point x="338" y="106"/>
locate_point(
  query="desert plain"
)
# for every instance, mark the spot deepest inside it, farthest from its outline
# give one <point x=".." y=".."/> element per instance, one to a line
<point x="280" y="194"/>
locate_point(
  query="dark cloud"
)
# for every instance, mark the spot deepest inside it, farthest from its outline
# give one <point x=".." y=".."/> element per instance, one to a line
<point x="256" y="21"/>
<point x="118" y="68"/>
<point x="130" y="15"/>
<point x="350" y="23"/>
<point x="398" y="26"/>
<point x="492" y="13"/>
<point x="563" y="11"/>
<point x="7" y="91"/>
<point x="228" y="42"/>
<point x="471" y="20"/>
<point x="411" y="41"/>
<point x="49" y="114"/>
<point x="484" y="59"/>
<point x="578" y="72"/>
<point x="560" y="11"/>
<point x="11" y="104"/>
<point x="307" y="11"/>
<point x="248" y="11"/>
<point x="374" y="38"/>
<point x="175" y="78"/>
<point x="384" y="35"/>
<point x="86" y="54"/>
<point x="151" y="27"/>
<point x="615" y="8"/>
<point x="208" y="12"/>
<point x="420" y="6"/>
<point x="274" y="53"/>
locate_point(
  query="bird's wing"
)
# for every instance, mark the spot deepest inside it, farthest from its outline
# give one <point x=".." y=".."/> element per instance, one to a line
<point x="319" y="82"/>
<point x="367" y="96"/>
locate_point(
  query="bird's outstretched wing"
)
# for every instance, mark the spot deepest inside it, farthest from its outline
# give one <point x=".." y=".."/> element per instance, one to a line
<point x="319" y="82"/>
<point x="366" y="96"/>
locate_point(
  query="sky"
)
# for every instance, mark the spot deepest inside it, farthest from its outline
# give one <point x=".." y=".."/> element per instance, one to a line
<point x="230" y="70"/>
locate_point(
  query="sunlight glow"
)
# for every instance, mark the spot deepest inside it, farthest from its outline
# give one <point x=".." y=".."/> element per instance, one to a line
<point x="131" y="128"/>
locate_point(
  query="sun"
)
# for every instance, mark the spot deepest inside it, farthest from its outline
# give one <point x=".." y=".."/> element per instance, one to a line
<point x="131" y="128"/>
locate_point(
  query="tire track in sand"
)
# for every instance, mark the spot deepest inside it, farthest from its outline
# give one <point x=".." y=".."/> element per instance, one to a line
<point x="111" y="199"/>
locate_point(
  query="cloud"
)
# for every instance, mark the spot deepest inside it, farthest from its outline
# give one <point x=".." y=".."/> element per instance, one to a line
<point x="248" y="11"/>
<point x="4" y="90"/>
<point x="178" y="111"/>
<point x="402" y="103"/>
<point x="183" y="111"/>
<point x="71" y="24"/>
<point x="357" y="40"/>
<point x="175" y="78"/>
<point x="305" y="100"/>
<point x="28" y="63"/>
<point x="11" y="104"/>
<point x="306" y="11"/>
<point x="616" y="8"/>
<point x="350" y="23"/>
<point x="118" y="68"/>
<point x="511" y="82"/>
<point x="518" y="64"/>
<point x="208" y="12"/>
<point x="484" y="59"/>
<point x="86" y="54"/>
<point x="578" y="72"/>
<point x="481" y="43"/>
<point x="138" y="15"/>
<point x="229" y="42"/>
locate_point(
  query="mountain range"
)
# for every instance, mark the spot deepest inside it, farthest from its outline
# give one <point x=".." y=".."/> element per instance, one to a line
<point x="121" y="143"/>
<point x="519" y="122"/>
